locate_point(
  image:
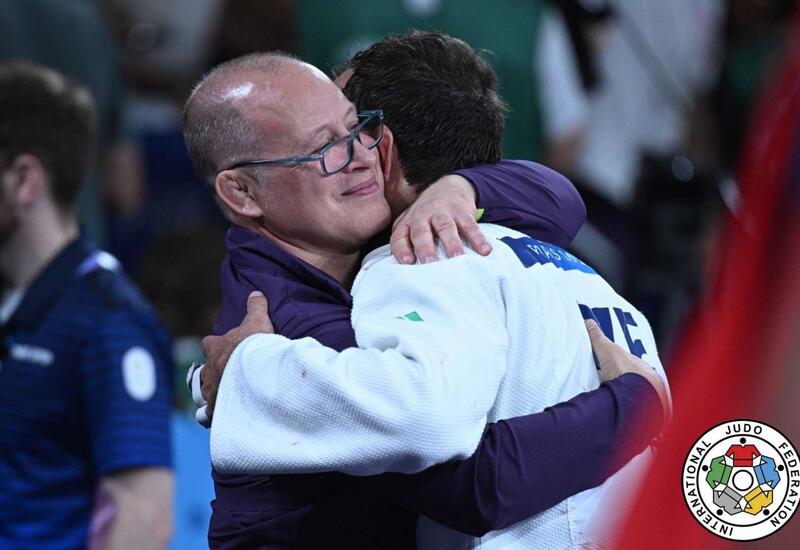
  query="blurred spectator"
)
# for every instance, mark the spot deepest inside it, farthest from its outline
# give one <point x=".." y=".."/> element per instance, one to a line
<point x="330" y="32"/>
<point x="248" y="26"/>
<point x="84" y="387"/>
<point x="71" y="37"/>
<point x="648" y="60"/>
<point x="180" y="275"/>
<point x="619" y="82"/>
<point x="754" y="35"/>
<point x="166" y="47"/>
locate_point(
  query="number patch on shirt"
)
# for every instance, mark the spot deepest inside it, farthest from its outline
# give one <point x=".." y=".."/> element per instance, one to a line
<point x="602" y="316"/>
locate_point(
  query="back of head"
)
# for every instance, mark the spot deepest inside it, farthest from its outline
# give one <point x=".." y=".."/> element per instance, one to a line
<point x="46" y="115"/>
<point x="439" y="97"/>
<point x="216" y="130"/>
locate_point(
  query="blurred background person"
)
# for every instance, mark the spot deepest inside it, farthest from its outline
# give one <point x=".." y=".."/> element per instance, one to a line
<point x="644" y="105"/>
<point x="164" y="47"/>
<point x="754" y="38"/>
<point x="85" y="389"/>
<point x="621" y="84"/>
<point x="72" y="37"/>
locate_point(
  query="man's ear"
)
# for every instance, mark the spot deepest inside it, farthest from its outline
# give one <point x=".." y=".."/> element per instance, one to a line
<point x="388" y="153"/>
<point x="24" y="181"/>
<point x="235" y="190"/>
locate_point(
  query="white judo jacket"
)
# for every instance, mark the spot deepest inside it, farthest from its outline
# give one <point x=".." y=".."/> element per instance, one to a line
<point x="444" y="348"/>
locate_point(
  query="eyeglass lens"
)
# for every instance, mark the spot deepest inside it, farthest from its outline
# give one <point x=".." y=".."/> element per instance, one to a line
<point x="338" y="156"/>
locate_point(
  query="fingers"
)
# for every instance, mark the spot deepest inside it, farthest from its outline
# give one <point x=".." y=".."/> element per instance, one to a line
<point x="408" y="240"/>
<point x="414" y="235"/>
<point x="257" y="318"/>
<point x="422" y="242"/>
<point x="613" y="361"/>
<point x="207" y="343"/>
<point x="217" y="350"/>
<point x="400" y="244"/>
<point x="472" y="233"/>
<point x="446" y="229"/>
<point x="256" y="302"/>
<point x="204" y="386"/>
<point x="602" y="347"/>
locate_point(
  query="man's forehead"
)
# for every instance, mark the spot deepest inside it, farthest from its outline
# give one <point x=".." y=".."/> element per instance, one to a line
<point x="295" y="87"/>
<point x="298" y="101"/>
<point x="307" y="99"/>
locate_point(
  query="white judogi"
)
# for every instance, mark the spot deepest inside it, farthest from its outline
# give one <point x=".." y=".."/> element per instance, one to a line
<point x="448" y="346"/>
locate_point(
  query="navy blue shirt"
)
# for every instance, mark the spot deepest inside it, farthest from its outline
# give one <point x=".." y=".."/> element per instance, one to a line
<point x="85" y="390"/>
<point x="510" y="477"/>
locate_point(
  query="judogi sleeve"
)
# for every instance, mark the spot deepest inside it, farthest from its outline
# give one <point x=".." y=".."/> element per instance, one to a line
<point x="418" y="393"/>
<point x="127" y="392"/>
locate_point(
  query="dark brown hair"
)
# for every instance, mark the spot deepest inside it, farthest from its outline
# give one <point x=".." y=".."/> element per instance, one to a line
<point x="439" y="97"/>
<point x="45" y="114"/>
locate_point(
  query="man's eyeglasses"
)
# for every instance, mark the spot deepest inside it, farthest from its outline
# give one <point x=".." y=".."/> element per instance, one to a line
<point x="336" y="155"/>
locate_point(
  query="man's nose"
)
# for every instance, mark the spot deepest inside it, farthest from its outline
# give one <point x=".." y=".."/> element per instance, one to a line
<point x="362" y="157"/>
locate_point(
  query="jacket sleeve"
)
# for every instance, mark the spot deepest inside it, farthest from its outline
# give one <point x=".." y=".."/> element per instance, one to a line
<point x="527" y="464"/>
<point x="529" y="198"/>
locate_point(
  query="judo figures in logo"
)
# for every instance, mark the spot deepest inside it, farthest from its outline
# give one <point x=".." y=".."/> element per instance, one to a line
<point x="743" y="479"/>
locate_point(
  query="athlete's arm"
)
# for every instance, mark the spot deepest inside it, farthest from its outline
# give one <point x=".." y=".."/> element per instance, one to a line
<point x="417" y="395"/>
<point x="522" y="195"/>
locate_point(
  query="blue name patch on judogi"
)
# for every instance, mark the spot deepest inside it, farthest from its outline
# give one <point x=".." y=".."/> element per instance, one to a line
<point x="530" y="252"/>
